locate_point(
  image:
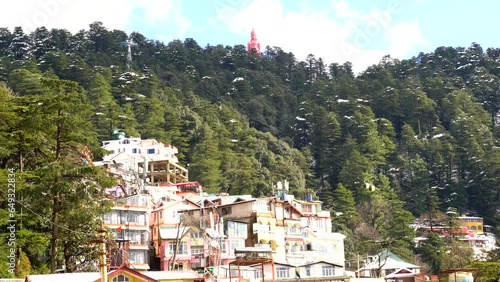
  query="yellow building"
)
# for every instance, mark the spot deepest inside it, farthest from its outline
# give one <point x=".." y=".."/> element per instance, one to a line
<point x="473" y="223"/>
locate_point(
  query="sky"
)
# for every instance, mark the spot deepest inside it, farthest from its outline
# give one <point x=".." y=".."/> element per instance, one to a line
<point x="361" y="31"/>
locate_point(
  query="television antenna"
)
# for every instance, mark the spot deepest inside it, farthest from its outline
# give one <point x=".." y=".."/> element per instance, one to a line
<point x="129" y="43"/>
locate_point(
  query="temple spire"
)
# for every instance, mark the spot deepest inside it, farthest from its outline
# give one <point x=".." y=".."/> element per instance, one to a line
<point x="253" y="45"/>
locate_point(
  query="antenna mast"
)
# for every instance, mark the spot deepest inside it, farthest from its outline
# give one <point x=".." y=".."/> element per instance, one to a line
<point x="129" y="43"/>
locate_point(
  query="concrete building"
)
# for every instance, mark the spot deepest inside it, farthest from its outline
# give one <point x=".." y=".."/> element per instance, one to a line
<point x="129" y="221"/>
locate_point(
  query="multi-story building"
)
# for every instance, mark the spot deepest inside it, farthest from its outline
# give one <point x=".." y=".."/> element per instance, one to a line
<point x="171" y="232"/>
<point x="321" y="244"/>
<point x="146" y="171"/>
<point x="159" y="214"/>
<point x="150" y="161"/>
<point x="297" y="233"/>
<point x="129" y="221"/>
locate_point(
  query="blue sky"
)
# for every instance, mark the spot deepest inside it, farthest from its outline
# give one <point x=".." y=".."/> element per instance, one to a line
<point x="361" y="31"/>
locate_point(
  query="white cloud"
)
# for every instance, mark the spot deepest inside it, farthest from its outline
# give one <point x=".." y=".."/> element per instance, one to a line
<point x="404" y="37"/>
<point x="77" y="15"/>
<point x="336" y="33"/>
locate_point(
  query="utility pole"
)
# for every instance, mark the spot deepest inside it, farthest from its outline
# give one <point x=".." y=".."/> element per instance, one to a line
<point x="357" y="269"/>
<point x="102" y="254"/>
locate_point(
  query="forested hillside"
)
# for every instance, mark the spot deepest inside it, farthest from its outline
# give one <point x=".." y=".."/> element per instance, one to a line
<point x="404" y="139"/>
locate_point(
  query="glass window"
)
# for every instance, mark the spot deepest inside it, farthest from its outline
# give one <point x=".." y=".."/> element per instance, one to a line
<point x="183" y="250"/>
<point x="308" y="271"/>
<point x="134" y="150"/>
<point x="196" y="234"/>
<point x="306" y="208"/>
<point x="151" y="151"/>
<point x="121" y="278"/>
<point x="223" y="247"/>
<point x="320" y="222"/>
<point x="236" y="244"/>
<point x="196" y="250"/>
<point x="138" y="256"/>
<point x="236" y="229"/>
<point x="282" y="272"/>
<point x="328" y="270"/>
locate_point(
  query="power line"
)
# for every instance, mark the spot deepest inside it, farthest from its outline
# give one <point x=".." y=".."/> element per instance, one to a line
<point x="49" y="221"/>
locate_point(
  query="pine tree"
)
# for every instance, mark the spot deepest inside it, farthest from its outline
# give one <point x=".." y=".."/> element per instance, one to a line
<point x="206" y="163"/>
<point x="20" y="46"/>
<point x="105" y="109"/>
<point x="344" y="208"/>
<point x="64" y="181"/>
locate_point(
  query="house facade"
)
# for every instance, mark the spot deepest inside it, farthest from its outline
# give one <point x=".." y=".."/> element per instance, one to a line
<point x="385" y="263"/>
<point x="161" y="217"/>
<point x="293" y="237"/>
<point x="473" y="223"/>
<point x="129" y="222"/>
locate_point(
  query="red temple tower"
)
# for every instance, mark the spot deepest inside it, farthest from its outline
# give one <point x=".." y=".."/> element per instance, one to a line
<point x="253" y="45"/>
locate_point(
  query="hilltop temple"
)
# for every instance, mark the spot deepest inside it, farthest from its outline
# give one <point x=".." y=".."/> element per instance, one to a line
<point x="253" y="45"/>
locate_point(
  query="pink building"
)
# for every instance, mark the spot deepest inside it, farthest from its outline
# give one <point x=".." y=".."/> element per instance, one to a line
<point x="253" y="45"/>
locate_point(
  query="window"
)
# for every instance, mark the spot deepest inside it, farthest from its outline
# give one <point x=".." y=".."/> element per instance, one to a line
<point x="106" y="143"/>
<point x="226" y="210"/>
<point x="151" y="151"/>
<point x="126" y="141"/>
<point x="196" y="234"/>
<point x="223" y="247"/>
<point x="134" y="150"/>
<point x="182" y="248"/>
<point x="320" y="222"/>
<point x="196" y="250"/>
<point x="121" y="278"/>
<point x="306" y="208"/>
<point x="176" y="215"/>
<point x="138" y="257"/>
<point x="328" y="270"/>
<point x="236" y="244"/>
<point x="282" y="272"/>
<point x="308" y="271"/>
<point x="309" y="247"/>
<point x="235" y="229"/>
<point x="479" y="227"/>
<point x="258" y="274"/>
